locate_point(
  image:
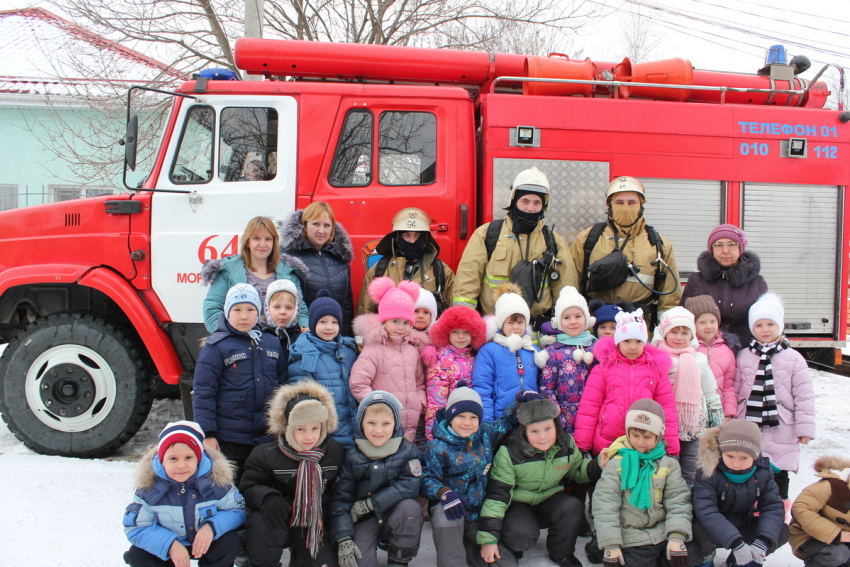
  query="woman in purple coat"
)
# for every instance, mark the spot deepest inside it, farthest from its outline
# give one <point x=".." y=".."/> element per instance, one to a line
<point x="729" y="274"/>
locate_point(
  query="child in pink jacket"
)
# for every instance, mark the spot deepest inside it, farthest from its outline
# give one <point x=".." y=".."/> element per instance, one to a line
<point x="628" y="370"/>
<point x="457" y="335"/>
<point x="389" y="360"/>
<point x="719" y="348"/>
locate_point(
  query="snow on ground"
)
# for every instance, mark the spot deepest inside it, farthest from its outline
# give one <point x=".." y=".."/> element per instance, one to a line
<point x="67" y="512"/>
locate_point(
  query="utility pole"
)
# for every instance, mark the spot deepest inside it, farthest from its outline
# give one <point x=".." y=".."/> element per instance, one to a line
<point x="254" y="17"/>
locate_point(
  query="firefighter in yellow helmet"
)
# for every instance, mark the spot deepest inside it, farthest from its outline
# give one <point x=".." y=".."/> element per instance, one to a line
<point x="653" y="280"/>
<point x="521" y="236"/>
<point x="410" y="253"/>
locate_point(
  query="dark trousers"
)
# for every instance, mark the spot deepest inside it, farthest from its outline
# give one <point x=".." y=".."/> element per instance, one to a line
<point x="782" y="481"/>
<point x="266" y="544"/>
<point x="236" y="453"/>
<point x="646" y="555"/>
<point x="825" y="555"/>
<point x="688" y="460"/>
<point x="222" y="553"/>
<point x="703" y="544"/>
<point x="401" y="527"/>
<point x="561" y="513"/>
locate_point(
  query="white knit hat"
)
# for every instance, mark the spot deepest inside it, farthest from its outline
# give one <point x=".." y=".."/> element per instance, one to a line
<point x="769" y="306"/>
<point x="570" y="297"/>
<point x="676" y="317"/>
<point x="427" y="301"/>
<point x="630" y="326"/>
<point x="510" y="303"/>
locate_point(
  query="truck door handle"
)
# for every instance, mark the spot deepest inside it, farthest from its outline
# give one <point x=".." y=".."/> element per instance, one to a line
<point x="439" y="227"/>
<point x="464" y="219"/>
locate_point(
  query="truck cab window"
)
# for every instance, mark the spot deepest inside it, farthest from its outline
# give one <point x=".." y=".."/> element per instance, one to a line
<point x="248" y="144"/>
<point x="407" y="148"/>
<point x="194" y="161"/>
<point x="352" y="165"/>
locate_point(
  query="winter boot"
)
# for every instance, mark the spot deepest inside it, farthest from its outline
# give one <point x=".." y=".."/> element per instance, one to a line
<point x="591" y="549"/>
<point x="399" y="555"/>
<point x="568" y="561"/>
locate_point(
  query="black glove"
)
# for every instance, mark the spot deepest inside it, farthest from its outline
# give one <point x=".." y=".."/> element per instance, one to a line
<point x="527" y="396"/>
<point x="275" y="512"/>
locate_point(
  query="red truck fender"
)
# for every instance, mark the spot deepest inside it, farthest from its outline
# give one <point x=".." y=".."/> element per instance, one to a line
<point x="156" y="342"/>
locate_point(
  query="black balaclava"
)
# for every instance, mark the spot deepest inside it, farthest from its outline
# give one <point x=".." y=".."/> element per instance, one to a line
<point x="412" y="252"/>
<point x="524" y="223"/>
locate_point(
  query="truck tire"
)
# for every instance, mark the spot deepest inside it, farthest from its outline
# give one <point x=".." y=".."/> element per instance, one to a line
<point x="74" y="385"/>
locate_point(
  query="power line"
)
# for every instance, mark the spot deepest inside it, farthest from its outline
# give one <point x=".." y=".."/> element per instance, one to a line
<point x="817" y="29"/>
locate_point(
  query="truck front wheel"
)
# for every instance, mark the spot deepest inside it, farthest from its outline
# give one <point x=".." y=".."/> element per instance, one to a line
<point x="73" y="385"/>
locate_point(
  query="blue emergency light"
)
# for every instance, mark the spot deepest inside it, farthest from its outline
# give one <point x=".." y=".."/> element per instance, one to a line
<point x="220" y="74"/>
<point x="776" y="54"/>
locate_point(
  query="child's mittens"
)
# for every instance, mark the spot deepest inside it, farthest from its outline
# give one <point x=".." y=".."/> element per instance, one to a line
<point x="360" y="509"/>
<point x="454" y="505"/>
<point x="275" y="511"/>
<point x="613" y="556"/>
<point x="580" y="355"/>
<point x="758" y="550"/>
<point x="677" y="553"/>
<point x="348" y="552"/>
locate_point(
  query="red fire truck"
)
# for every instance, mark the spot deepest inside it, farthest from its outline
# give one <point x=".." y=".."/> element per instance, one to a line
<point x="98" y="297"/>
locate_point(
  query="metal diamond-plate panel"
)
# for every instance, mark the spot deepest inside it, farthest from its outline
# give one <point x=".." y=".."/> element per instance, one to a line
<point x="578" y="191"/>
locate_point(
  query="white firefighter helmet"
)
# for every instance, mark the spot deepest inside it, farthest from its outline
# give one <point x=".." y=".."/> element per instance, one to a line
<point x="411" y="219"/>
<point x="532" y="180"/>
<point x="623" y="184"/>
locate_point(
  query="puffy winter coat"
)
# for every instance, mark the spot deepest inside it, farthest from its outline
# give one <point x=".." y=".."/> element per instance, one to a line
<point x="724" y="508"/>
<point x="619" y="523"/>
<point x="478" y="275"/>
<point x="329" y="363"/>
<point x="394" y="368"/>
<point x="496" y="376"/>
<point x="223" y="274"/>
<point x="637" y="250"/>
<point x="615" y="384"/>
<point x="234" y="379"/>
<point x="395" y="271"/>
<point x="563" y="380"/>
<point x="735" y="289"/>
<point x="269" y="472"/>
<point x="461" y="464"/>
<point x="822" y="510"/>
<point x="453" y="365"/>
<point x="329" y="268"/>
<point x="721" y="357"/>
<point x="521" y="473"/>
<point x="386" y="481"/>
<point x="795" y="403"/>
<point x="162" y="508"/>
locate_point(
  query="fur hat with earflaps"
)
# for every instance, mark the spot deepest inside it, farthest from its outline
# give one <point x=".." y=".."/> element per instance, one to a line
<point x="300" y="403"/>
<point x="535" y="411"/>
<point x="458" y="317"/>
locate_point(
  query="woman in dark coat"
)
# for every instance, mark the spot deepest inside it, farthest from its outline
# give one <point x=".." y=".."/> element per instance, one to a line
<point x="314" y="237"/>
<point x="729" y="274"/>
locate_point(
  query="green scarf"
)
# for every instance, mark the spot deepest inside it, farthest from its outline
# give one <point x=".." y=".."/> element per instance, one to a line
<point x="636" y="474"/>
<point x="739" y="477"/>
<point x="584" y="339"/>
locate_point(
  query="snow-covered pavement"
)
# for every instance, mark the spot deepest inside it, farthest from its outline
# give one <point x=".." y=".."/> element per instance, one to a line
<point x="67" y="512"/>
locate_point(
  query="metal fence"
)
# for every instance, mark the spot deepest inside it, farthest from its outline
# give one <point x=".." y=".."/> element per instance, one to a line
<point x="15" y="197"/>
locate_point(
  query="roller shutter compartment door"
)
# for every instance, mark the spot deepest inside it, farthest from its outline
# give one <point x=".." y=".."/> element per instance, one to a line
<point x="685" y="211"/>
<point x="794" y="230"/>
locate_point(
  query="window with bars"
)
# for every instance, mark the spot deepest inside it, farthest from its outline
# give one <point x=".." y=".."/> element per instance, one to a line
<point x="8" y="197"/>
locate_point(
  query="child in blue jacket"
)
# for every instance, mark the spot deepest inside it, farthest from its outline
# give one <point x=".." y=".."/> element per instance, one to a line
<point x="180" y="485"/>
<point x="326" y="356"/>
<point x="509" y="364"/>
<point x="239" y="367"/>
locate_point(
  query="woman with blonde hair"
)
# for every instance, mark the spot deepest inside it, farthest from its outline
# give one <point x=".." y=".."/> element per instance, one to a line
<point x="259" y="263"/>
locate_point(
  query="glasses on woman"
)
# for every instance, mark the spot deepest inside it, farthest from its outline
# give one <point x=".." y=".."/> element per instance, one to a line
<point x="727" y="245"/>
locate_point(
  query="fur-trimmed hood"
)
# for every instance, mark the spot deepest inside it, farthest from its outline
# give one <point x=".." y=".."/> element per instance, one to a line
<point x="606" y="352"/>
<point x="708" y="456"/>
<point x="211" y="268"/>
<point x="278" y="417"/>
<point x="746" y="270"/>
<point x="221" y="471"/>
<point x="292" y="239"/>
<point x="828" y="463"/>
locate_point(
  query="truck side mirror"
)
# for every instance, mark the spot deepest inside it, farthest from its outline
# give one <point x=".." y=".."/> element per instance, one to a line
<point x="129" y="142"/>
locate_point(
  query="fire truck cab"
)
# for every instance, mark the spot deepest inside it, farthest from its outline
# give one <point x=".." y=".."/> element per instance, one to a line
<point x="99" y="296"/>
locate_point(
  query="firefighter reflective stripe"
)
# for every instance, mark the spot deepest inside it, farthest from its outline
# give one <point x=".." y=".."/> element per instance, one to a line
<point x="495" y="281"/>
<point x="465" y="302"/>
<point x="645" y="278"/>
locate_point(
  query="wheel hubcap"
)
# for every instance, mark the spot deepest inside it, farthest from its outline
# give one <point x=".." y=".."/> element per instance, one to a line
<point x="70" y="388"/>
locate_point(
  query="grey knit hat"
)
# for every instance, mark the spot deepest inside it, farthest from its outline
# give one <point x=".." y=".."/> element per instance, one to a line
<point x="305" y="410"/>
<point x="463" y="399"/>
<point x="646" y="414"/>
<point x="536" y="411"/>
<point x="740" y="435"/>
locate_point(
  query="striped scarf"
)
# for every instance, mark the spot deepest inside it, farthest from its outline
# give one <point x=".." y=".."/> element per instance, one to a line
<point x="307" y="507"/>
<point x="761" y="405"/>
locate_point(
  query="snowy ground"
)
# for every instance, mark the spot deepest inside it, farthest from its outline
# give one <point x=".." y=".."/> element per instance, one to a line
<point x="67" y="512"/>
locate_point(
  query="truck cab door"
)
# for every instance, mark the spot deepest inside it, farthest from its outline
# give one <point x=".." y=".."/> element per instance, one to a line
<point x="237" y="154"/>
<point x="389" y="154"/>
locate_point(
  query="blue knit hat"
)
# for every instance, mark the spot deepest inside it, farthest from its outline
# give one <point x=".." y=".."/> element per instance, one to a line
<point x="607" y="312"/>
<point x="463" y="399"/>
<point x="324" y="305"/>
<point x="242" y="293"/>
